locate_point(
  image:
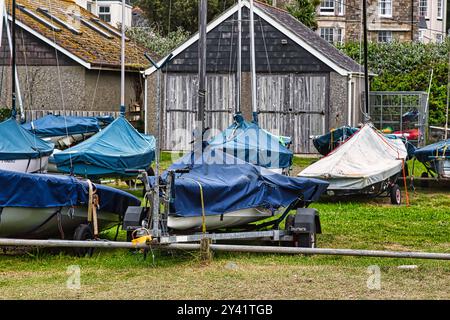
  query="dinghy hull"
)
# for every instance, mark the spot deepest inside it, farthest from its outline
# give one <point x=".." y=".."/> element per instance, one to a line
<point x="45" y="223"/>
<point x="227" y="220"/>
<point x="25" y="165"/>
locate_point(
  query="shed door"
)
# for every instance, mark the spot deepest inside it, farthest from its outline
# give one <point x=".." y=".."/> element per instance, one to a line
<point x="180" y="108"/>
<point x="294" y="105"/>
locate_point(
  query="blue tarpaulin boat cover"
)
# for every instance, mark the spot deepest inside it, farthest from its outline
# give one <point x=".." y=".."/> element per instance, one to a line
<point x="330" y="141"/>
<point x="48" y="191"/>
<point x="249" y="142"/>
<point x="230" y="184"/>
<point x="55" y="126"/>
<point x="428" y="153"/>
<point x="17" y="143"/>
<point x="112" y="151"/>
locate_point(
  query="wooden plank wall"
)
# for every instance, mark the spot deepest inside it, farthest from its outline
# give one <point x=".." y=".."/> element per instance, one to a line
<point x="293" y="105"/>
<point x="180" y="107"/>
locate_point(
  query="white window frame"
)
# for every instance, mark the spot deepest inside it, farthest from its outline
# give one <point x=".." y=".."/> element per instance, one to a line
<point x="386" y="3"/>
<point x="336" y="35"/>
<point x="439" y="38"/>
<point x="391" y="38"/>
<point x="340" y="7"/>
<point x="329" y="11"/>
<point x="421" y="37"/>
<point x="105" y="13"/>
<point x="423" y="5"/>
<point x="440" y="9"/>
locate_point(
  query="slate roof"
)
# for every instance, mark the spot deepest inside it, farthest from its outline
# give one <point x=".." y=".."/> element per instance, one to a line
<point x="100" y="50"/>
<point x="284" y="20"/>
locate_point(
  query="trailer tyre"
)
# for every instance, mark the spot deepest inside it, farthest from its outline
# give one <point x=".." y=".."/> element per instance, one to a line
<point x="396" y="195"/>
<point x="83" y="232"/>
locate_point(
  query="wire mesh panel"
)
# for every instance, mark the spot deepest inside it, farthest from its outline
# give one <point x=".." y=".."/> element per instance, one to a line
<point x="401" y="113"/>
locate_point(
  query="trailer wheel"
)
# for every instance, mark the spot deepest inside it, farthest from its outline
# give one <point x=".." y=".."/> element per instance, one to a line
<point x="83" y="232"/>
<point x="396" y="195"/>
<point x="305" y="240"/>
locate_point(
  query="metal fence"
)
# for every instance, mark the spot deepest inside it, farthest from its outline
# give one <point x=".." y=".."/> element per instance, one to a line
<point x="402" y="113"/>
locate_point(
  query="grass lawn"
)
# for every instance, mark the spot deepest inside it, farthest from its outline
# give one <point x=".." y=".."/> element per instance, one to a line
<point x="369" y="224"/>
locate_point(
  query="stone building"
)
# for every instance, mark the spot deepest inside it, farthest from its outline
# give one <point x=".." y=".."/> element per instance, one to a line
<point x="68" y="62"/>
<point x="305" y="86"/>
<point x="387" y="20"/>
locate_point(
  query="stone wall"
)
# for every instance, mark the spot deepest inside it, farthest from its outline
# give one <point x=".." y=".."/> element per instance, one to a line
<point x="42" y="90"/>
<point x="102" y="90"/>
<point x="402" y="23"/>
<point x="78" y="89"/>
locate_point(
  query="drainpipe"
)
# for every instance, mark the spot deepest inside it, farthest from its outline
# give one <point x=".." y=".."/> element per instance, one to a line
<point x="145" y="105"/>
<point x="412" y="20"/>
<point x="349" y="99"/>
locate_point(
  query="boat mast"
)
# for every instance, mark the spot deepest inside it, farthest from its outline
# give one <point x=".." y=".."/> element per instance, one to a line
<point x="239" y="60"/>
<point x="253" y="63"/>
<point x="13" y="60"/>
<point x="203" y="11"/>
<point x="366" y="68"/>
<point x="122" y="64"/>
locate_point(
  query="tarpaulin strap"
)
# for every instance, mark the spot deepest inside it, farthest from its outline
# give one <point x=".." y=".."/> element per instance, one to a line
<point x="92" y="207"/>
<point x="202" y="200"/>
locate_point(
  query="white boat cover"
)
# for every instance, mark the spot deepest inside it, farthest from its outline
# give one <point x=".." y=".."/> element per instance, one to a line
<point x="365" y="159"/>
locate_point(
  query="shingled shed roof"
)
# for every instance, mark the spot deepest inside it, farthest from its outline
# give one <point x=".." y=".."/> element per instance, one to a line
<point x="291" y="28"/>
<point x="76" y="33"/>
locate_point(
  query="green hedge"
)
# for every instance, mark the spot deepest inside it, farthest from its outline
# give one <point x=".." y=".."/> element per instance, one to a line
<point x="4" y="114"/>
<point x="407" y="67"/>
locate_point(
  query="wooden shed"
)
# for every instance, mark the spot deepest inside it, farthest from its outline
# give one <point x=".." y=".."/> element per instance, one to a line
<point x="305" y="86"/>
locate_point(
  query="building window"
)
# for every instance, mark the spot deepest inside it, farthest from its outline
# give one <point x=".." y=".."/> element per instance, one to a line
<point x="327" y="7"/>
<point x="421" y="35"/>
<point x="104" y="13"/>
<point x="423" y="8"/>
<point x="439" y="38"/>
<point x="341" y="7"/>
<point x="439" y="9"/>
<point x="385" y="36"/>
<point x="385" y="8"/>
<point x="332" y="35"/>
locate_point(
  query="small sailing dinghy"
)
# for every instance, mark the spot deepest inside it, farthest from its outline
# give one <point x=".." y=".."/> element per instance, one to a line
<point x="333" y="139"/>
<point x="45" y="206"/>
<point x="249" y="142"/>
<point x="367" y="163"/>
<point x="436" y="158"/>
<point x="231" y="192"/>
<point x="65" y="131"/>
<point x="112" y="152"/>
<point x="21" y="150"/>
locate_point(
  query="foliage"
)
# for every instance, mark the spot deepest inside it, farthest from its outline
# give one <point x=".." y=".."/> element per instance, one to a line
<point x="305" y="11"/>
<point x="168" y="15"/>
<point x="4" y="113"/>
<point x="407" y="67"/>
<point x="155" y="42"/>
